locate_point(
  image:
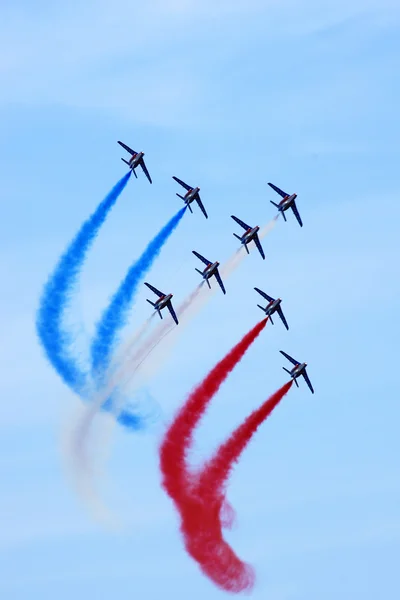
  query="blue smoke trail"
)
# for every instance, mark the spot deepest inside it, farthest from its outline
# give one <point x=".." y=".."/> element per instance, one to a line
<point x="114" y="317"/>
<point x="56" y="341"/>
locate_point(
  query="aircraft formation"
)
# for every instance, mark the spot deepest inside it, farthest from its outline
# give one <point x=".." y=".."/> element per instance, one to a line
<point x="211" y="269"/>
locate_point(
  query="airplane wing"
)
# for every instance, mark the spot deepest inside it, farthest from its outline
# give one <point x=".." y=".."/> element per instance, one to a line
<point x="258" y="244"/>
<point x="218" y="278"/>
<point x="282" y="316"/>
<point x="127" y="148"/>
<point x="182" y="183"/>
<point x="155" y="290"/>
<point x="142" y="164"/>
<point x="292" y="360"/>
<point x="173" y="314"/>
<point x="264" y="295"/>
<point x="277" y="190"/>
<point x="308" y="382"/>
<point x="241" y="223"/>
<point x="199" y="202"/>
<point x="296" y="214"/>
<point x="204" y="260"/>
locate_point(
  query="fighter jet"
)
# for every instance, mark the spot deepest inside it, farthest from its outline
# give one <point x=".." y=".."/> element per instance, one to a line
<point x="135" y="161"/>
<point x="273" y="307"/>
<point x="299" y="369"/>
<point x="287" y="202"/>
<point x="250" y="234"/>
<point x="210" y="270"/>
<point x="164" y="301"/>
<point x="191" y="194"/>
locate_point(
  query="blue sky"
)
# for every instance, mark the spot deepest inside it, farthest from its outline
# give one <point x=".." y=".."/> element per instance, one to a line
<point x="228" y="96"/>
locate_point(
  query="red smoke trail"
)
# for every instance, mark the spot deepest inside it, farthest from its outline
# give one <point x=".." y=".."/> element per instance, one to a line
<point x="206" y="513"/>
<point x="201" y="521"/>
<point x="178" y="439"/>
<point x="216" y="471"/>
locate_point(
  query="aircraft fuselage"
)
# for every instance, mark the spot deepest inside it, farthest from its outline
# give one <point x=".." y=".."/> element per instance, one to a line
<point x="298" y="370"/>
<point x="272" y="307"/>
<point x="135" y="160"/>
<point x="163" y="301"/>
<point x="210" y="270"/>
<point x="249" y="235"/>
<point x="287" y="202"/>
<point x="191" y="195"/>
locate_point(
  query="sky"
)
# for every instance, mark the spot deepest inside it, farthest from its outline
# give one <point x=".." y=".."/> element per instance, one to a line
<point x="227" y="96"/>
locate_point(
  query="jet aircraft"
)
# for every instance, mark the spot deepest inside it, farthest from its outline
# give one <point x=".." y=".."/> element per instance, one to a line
<point x="210" y="270"/>
<point x="298" y="369"/>
<point x="164" y="301"/>
<point x="287" y="202"/>
<point x="274" y="306"/>
<point x="250" y="234"/>
<point x="191" y="195"/>
<point x="135" y="161"/>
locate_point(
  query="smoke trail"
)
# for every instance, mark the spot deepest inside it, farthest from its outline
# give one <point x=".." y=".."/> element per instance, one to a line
<point x="132" y="365"/>
<point x="76" y="446"/>
<point x="203" y="518"/>
<point x="56" y="341"/>
<point x="205" y="512"/>
<point x="179" y="437"/>
<point x="114" y="317"/>
<point x="200" y="533"/>
<point x="216" y="471"/>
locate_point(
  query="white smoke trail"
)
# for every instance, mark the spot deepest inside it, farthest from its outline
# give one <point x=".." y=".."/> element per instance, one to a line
<point x="77" y="454"/>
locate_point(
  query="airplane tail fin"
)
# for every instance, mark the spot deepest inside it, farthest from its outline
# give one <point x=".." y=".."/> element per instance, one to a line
<point x="237" y="236"/>
<point x="285" y="369"/>
<point x="125" y="161"/>
<point x="279" y="208"/>
<point x="262" y="308"/>
<point x="270" y="318"/>
<point x="150" y="302"/>
<point x="198" y="270"/>
<point x="182" y="198"/>
<point x="208" y="283"/>
<point x="247" y="250"/>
